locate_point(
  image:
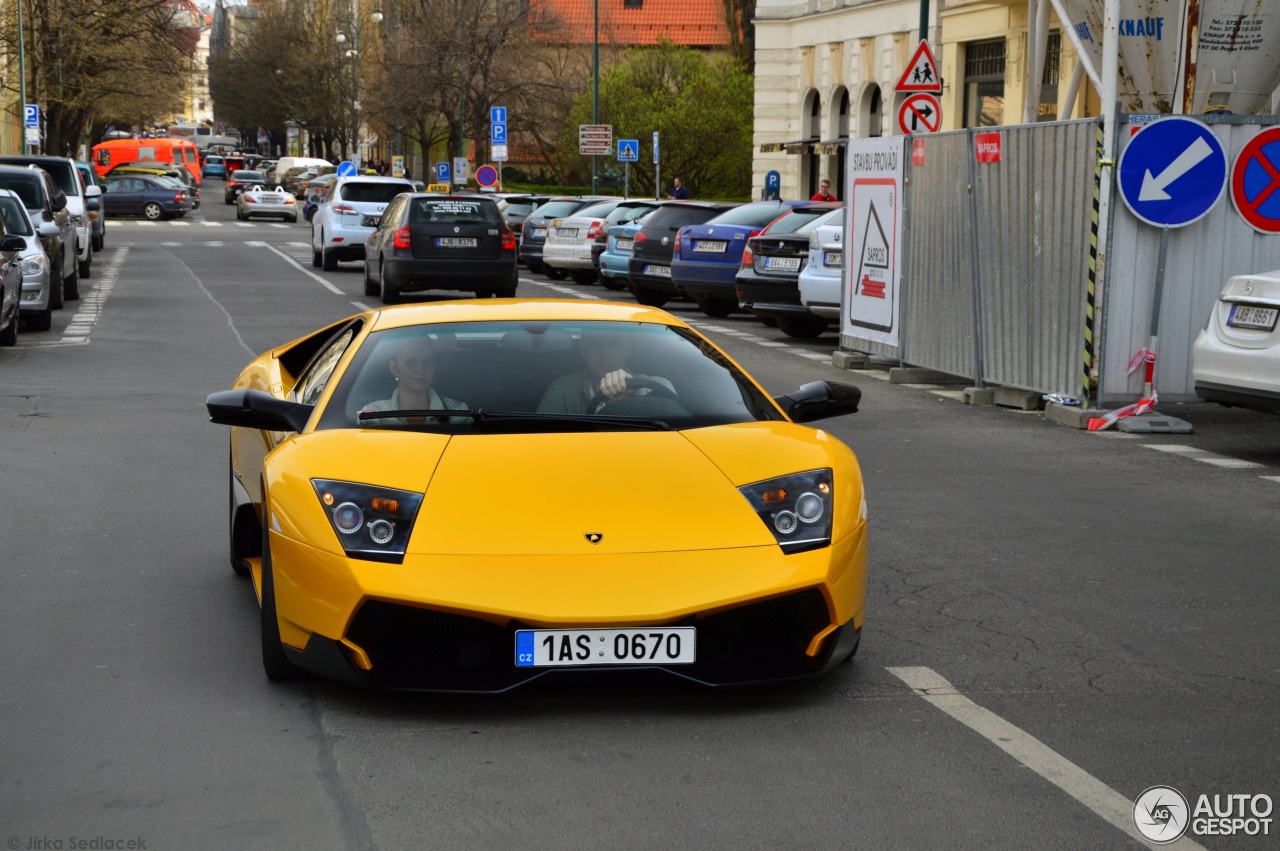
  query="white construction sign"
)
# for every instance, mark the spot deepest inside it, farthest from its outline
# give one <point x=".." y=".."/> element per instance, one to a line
<point x="872" y="236"/>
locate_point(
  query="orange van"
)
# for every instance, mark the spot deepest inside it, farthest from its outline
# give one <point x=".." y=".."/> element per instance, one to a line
<point x="114" y="152"/>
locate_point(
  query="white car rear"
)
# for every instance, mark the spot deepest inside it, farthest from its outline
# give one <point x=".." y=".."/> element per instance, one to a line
<point x="569" y="240"/>
<point x="1236" y="358"/>
<point x="820" y="279"/>
<point x="348" y="215"/>
<point x="260" y="201"/>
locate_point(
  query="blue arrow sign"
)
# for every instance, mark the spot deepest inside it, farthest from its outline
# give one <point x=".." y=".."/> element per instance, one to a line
<point x="31" y="114"/>
<point x="498" y="132"/>
<point x="497" y="115"/>
<point x="346" y="168"/>
<point x="628" y="150"/>
<point x="1173" y="172"/>
<point x="442" y="172"/>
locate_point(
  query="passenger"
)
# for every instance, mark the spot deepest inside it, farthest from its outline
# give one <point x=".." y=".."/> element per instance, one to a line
<point x="414" y="368"/>
<point x="605" y="378"/>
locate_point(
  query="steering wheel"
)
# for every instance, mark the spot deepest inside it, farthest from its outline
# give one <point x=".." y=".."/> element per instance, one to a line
<point x="656" y="390"/>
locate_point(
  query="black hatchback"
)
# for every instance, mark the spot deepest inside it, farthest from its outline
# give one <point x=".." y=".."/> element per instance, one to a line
<point x="768" y="281"/>
<point x="427" y="241"/>
<point x="649" y="269"/>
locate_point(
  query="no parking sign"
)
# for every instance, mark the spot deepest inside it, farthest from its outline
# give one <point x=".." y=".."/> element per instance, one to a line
<point x="1255" y="182"/>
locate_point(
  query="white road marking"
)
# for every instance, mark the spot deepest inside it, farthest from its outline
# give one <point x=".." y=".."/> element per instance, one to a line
<point x="362" y="305"/>
<point x="89" y="311"/>
<point x="1275" y="479"/>
<point x="214" y="243"/>
<point x="148" y="224"/>
<point x="294" y="263"/>
<point x="1104" y="801"/>
<point x="245" y="225"/>
<point x="171" y="244"/>
<point x="178" y="224"/>
<point x="1203" y="456"/>
<point x="212" y="224"/>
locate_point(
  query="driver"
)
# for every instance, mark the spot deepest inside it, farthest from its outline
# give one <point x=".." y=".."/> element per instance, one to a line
<point x="605" y="378"/>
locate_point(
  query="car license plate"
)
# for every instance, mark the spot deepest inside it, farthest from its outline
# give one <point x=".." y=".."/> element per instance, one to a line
<point x="624" y="244"/>
<point x="711" y="246"/>
<point x="546" y="648"/>
<point x="539" y="231"/>
<point x="370" y="221"/>
<point x="1247" y="316"/>
<point x="456" y="241"/>
<point x="567" y="233"/>
<point x="833" y="258"/>
<point x="658" y="271"/>
<point x="782" y="264"/>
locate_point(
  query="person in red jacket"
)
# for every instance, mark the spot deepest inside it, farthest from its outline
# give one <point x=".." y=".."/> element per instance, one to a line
<point x="824" y="192"/>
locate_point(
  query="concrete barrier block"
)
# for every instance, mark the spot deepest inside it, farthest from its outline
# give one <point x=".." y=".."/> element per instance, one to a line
<point x="1024" y="400"/>
<point x="850" y="360"/>
<point x="979" y="395"/>
<point x="1071" y="415"/>
<point x="921" y="375"/>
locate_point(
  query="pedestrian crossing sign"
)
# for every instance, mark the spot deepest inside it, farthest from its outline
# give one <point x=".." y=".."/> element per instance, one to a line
<point x="628" y="150"/>
<point x="921" y="74"/>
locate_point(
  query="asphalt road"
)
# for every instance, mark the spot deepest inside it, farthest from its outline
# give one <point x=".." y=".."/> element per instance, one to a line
<point x="1057" y="620"/>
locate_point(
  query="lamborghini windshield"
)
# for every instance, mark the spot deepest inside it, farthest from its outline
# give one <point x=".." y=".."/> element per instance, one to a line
<point x="541" y="376"/>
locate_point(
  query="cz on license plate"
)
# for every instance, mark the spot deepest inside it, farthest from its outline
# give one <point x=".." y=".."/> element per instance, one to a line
<point x="539" y="231"/>
<point x="456" y="241"/>
<point x="711" y="246"/>
<point x="543" y="648"/>
<point x="658" y="271"/>
<point x="624" y="244"/>
<point x="782" y="264"/>
<point x="833" y="258"/>
<point x="567" y="233"/>
<point x="1248" y="316"/>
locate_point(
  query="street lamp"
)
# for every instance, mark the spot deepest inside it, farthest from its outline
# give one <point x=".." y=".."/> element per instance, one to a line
<point x="377" y="17"/>
<point x="353" y="53"/>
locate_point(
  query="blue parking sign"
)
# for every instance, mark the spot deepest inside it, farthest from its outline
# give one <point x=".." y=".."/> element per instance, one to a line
<point x="31" y="115"/>
<point x="442" y="172"/>
<point x="498" y="132"/>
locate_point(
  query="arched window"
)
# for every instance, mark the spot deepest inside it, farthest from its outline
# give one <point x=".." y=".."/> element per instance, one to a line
<point x="842" y="133"/>
<point x="870" y="122"/>
<point x="813" y="130"/>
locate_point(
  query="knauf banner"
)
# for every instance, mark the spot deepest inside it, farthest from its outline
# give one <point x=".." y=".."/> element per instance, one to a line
<point x="1234" y="60"/>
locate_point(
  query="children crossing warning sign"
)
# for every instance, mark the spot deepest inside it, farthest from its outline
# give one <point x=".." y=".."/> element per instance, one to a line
<point x="921" y="74"/>
<point x="874" y="221"/>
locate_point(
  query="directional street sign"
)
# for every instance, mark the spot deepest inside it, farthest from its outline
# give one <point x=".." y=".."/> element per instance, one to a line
<point x="498" y="133"/>
<point x="1255" y="182"/>
<point x="442" y="172"/>
<point x="921" y="74"/>
<point x="595" y="139"/>
<point x="628" y="150"/>
<point x="31" y="115"/>
<point x="346" y="168"/>
<point x="1173" y="172"/>
<point x="486" y="175"/>
<point x="497" y="115"/>
<point x="920" y="113"/>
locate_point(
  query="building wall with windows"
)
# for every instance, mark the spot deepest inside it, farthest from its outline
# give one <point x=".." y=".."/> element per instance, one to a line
<point x="826" y="70"/>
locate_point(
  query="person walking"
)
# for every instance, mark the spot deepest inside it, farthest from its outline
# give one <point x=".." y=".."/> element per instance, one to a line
<point x="678" y="192"/>
<point x="824" y="192"/>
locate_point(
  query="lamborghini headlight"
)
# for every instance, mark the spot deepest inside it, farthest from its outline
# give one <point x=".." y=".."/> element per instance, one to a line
<point x="371" y="523"/>
<point x="796" y="508"/>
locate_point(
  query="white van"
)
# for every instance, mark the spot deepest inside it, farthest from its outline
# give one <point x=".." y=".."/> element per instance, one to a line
<point x="285" y="163"/>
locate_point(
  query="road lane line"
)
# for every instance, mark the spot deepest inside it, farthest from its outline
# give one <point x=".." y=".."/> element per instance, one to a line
<point x="362" y="305"/>
<point x="1271" y="478"/>
<point x="1104" y="801"/>
<point x="1204" y="456"/>
<point x="295" y="264"/>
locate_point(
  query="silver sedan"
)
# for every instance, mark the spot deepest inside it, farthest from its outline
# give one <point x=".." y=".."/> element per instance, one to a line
<point x="260" y="201"/>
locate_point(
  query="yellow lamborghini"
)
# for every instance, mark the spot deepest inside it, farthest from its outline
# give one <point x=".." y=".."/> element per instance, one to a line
<point x="468" y="495"/>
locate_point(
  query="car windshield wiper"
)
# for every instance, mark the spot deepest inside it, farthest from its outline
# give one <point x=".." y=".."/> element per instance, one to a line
<point x="497" y="417"/>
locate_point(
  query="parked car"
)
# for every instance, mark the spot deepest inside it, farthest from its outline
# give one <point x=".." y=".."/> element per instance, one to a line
<point x="533" y="234"/>
<point x="571" y="241"/>
<point x="97" y="215"/>
<point x="241" y="181"/>
<point x="348" y="215"/>
<point x="707" y="256"/>
<point x="261" y="201"/>
<point x="152" y="169"/>
<point x="154" y="198"/>
<point x="64" y="173"/>
<point x="734" y="543"/>
<point x="821" y="279"/>
<point x="616" y="257"/>
<point x="767" y="279"/>
<point x="36" y="304"/>
<point x="12" y="246"/>
<point x="427" y="241"/>
<point x="649" y="270"/>
<point x="296" y="180"/>
<point x="319" y="188"/>
<point x="516" y="208"/>
<point x="48" y="208"/>
<point x="1236" y="359"/>
<point x="214" y="166"/>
